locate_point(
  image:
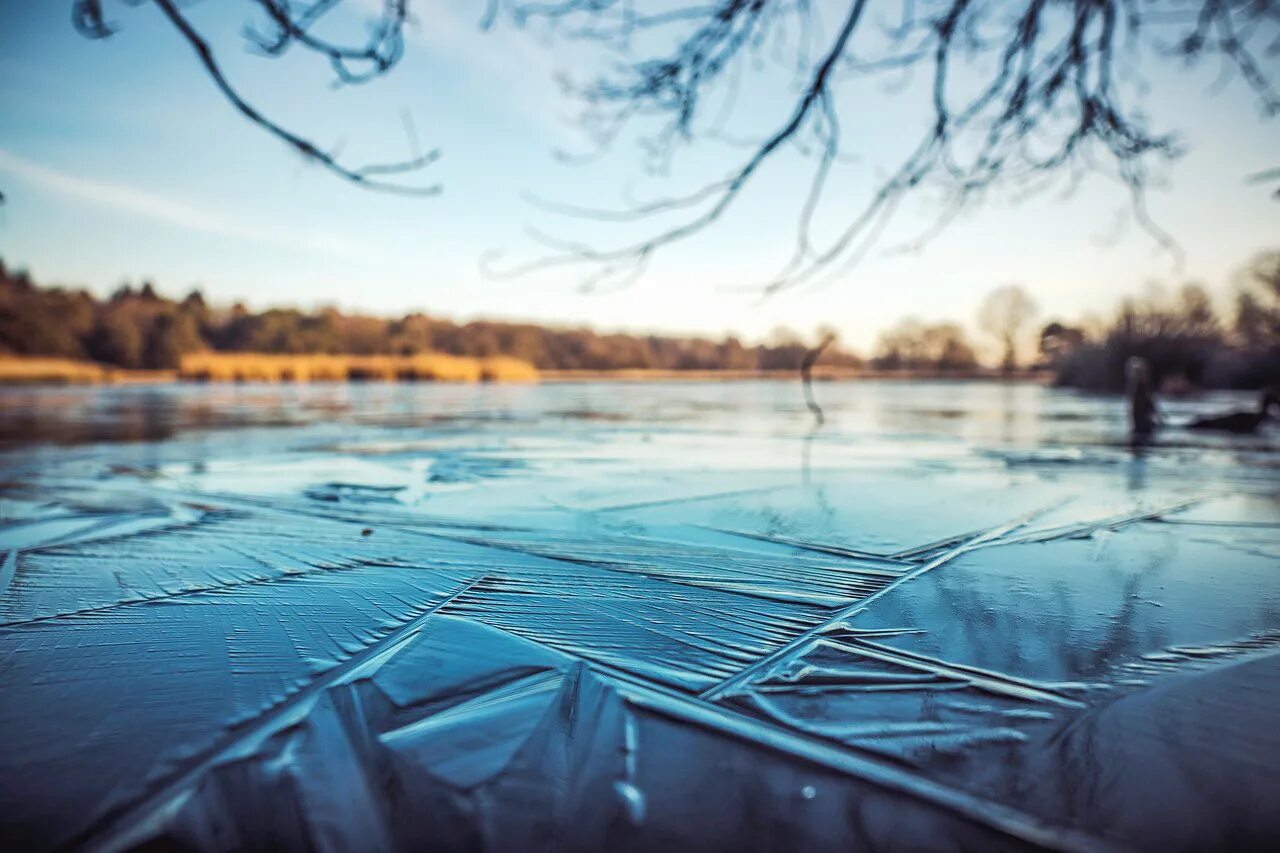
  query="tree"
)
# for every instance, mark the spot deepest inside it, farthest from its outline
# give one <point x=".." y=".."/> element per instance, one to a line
<point x="1196" y="315"/>
<point x="1179" y="336"/>
<point x="1257" y="320"/>
<point x="117" y="340"/>
<point x="912" y="345"/>
<point x="1019" y="93"/>
<point x="784" y="351"/>
<point x="172" y="335"/>
<point x="734" y="356"/>
<point x="411" y="334"/>
<point x="1003" y="315"/>
<point x="1058" y="341"/>
<point x="36" y="322"/>
<point x="948" y="347"/>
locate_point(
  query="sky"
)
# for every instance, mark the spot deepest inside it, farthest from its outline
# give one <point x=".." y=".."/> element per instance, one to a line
<point x="120" y="161"/>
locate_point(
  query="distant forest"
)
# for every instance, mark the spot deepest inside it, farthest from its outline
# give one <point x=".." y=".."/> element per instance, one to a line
<point x="1186" y="341"/>
<point x="138" y="328"/>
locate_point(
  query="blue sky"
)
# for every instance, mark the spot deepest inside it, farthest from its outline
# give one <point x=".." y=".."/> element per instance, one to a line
<point x="120" y="160"/>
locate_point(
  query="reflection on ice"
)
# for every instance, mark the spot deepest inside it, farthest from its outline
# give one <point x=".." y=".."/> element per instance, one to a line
<point x="579" y="617"/>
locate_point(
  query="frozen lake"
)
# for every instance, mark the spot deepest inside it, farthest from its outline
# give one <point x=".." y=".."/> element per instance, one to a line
<point x="627" y="616"/>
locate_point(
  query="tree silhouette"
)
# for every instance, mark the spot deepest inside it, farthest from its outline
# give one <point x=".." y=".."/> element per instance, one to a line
<point x="912" y="345"/>
<point x="140" y="328"/>
<point x="1257" y="315"/>
<point x="1003" y="315"/>
<point x="1058" y="340"/>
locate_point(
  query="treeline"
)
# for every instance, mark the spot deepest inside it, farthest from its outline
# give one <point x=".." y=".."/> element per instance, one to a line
<point x="1185" y="341"/>
<point x="138" y="328"/>
<point x="924" y="347"/>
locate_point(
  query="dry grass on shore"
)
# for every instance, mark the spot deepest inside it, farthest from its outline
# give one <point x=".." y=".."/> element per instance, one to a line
<point x="426" y="367"/>
<point x="20" y="370"/>
<point x="257" y="367"/>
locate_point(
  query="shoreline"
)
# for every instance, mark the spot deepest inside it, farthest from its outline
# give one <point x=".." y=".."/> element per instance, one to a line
<point x="19" y="372"/>
<point x="242" y="368"/>
<point x="820" y="374"/>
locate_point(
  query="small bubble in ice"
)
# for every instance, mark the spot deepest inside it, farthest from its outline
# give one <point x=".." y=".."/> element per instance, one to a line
<point x="808" y="792"/>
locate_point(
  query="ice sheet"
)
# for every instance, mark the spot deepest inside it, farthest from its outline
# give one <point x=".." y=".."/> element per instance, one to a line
<point x="635" y="617"/>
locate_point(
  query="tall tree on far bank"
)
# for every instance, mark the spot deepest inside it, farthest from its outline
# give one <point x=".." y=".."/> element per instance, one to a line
<point x="1004" y="314"/>
<point x="912" y="345"/>
<point x="1257" y="320"/>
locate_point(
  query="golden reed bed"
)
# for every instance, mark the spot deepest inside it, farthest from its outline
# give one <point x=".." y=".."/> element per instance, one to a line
<point x="259" y="367"/>
<point x="427" y="367"/>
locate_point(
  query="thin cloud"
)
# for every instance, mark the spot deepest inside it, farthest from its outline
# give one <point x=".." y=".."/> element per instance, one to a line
<point x="143" y="203"/>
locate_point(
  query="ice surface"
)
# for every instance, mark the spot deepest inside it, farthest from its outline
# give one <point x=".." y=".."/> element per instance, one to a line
<point x="656" y="616"/>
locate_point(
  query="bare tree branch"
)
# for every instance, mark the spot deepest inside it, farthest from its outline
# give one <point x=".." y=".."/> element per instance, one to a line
<point x="292" y="23"/>
<point x="1018" y="92"/>
<point x="1056" y="94"/>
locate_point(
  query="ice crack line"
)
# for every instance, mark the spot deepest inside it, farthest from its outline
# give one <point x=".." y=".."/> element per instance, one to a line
<point x="126" y="827"/>
<point x="849" y="762"/>
<point x="743" y="676"/>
